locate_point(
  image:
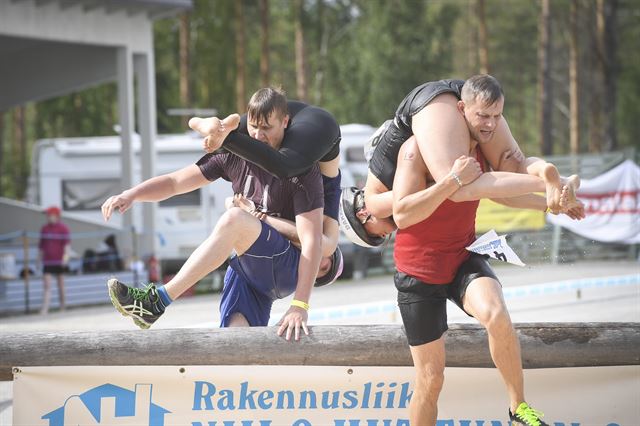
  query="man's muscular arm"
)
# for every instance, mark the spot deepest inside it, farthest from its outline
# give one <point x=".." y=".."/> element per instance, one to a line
<point x="504" y="154"/>
<point x="309" y="227"/>
<point x="157" y="188"/>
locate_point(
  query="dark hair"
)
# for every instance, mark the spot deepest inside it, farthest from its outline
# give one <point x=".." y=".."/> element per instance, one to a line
<point x="484" y="88"/>
<point x="265" y="101"/>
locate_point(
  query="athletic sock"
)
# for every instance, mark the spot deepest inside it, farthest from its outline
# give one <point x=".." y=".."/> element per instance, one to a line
<point x="164" y="296"/>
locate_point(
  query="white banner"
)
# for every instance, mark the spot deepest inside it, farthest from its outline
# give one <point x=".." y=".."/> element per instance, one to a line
<point x="612" y="206"/>
<point x="310" y="396"/>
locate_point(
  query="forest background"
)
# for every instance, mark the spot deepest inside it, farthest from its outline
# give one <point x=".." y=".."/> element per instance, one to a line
<point x="570" y="68"/>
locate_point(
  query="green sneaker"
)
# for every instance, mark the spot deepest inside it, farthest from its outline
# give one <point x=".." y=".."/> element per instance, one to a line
<point x="143" y="305"/>
<point x="527" y="416"/>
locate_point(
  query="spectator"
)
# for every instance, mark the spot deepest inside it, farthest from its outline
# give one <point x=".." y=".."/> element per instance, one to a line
<point x="108" y="255"/>
<point x="53" y="255"/>
<point x="104" y="258"/>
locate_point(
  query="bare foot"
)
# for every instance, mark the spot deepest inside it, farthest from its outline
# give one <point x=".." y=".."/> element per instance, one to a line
<point x="568" y="199"/>
<point x="211" y="125"/>
<point x="205" y="126"/>
<point x="571" y="206"/>
<point x="214" y="130"/>
<point x="553" y="188"/>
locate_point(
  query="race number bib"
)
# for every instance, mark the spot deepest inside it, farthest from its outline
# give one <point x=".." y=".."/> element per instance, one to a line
<point x="496" y="247"/>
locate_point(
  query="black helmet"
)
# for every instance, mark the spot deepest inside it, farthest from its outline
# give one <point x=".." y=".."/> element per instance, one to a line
<point x="351" y="200"/>
<point x="337" y="264"/>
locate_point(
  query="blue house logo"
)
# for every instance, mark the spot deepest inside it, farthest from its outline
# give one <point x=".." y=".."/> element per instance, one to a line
<point x="109" y="405"/>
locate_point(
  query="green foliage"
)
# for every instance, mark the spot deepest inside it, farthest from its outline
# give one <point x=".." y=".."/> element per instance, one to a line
<point x="281" y="48"/>
<point x="377" y="51"/>
<point x="514" y="62"/>
<point x="212" y="71"/>
<point x="628" y="69"/>
<point x="167" y="73"/>
<point x="385" y="49"/>
<point x="92" y="112"/>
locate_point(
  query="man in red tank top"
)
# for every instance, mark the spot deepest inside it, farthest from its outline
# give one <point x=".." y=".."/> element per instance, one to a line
<point x="434" y="206"/>
<point x="431" y="260"/>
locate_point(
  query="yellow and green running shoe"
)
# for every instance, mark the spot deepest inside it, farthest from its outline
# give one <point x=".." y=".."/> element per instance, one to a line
<point x="527" y="416"/>
<point x="141" y="304"/>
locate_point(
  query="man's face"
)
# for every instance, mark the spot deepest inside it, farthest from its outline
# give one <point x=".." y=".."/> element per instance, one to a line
<point x="482" y="119"/>
<point x="271" y="132"/>
<point x="53" y="218"/>
<point x="374" y="226"/>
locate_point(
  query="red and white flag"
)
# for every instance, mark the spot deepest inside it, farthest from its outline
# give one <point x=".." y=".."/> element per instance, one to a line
<point x="612" y="206"/>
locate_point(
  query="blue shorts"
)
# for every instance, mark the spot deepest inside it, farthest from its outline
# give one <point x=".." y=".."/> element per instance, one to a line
<point x="267" y="271"/>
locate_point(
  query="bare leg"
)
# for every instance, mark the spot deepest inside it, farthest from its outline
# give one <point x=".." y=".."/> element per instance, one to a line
<point x="46" y="294"/>
<point x="236" y="230"/>
<point x="561" y="192"/>
<point x="569" y="189"/>
<point x="483" y="300"/>
<point x="330" y="168"/>
<point x="238" y="320"/>
<point x="443" y="136"/>
<point x="61" y="294"/>
<point x="429" y="360"/>
<point x="553" y="184"/>
<point x="214" y="130"/>
<point x="213" y="125"/>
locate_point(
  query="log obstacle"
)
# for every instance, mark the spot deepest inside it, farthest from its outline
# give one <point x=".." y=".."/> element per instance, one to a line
<point x="544" y="345"/>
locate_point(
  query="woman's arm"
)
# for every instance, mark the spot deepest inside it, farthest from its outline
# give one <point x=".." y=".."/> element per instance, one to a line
<point x="377" y="197"/>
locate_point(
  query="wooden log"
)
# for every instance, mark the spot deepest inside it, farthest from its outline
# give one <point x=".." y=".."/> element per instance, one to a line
<point x="544" y="345"/>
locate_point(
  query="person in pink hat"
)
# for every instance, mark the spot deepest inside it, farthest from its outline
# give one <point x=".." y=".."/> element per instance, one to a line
<point x="54" y="243"/>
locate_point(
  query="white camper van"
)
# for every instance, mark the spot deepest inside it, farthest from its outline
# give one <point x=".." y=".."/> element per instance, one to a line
<point x="78" y="174"/>
<point x="352" y="161"/>
<point x="354" y="168"/>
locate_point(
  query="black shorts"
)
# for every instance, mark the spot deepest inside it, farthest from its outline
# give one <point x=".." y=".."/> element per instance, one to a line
<point x="384" y="159"/>
<point x="423" y="306"/>
<point x="385" y="156"/>
<point x="54" y="269"/>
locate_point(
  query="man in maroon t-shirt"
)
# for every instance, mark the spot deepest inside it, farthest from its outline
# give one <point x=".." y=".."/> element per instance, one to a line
<point x="266" y="265"/>
<point x="54" y="243"/>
